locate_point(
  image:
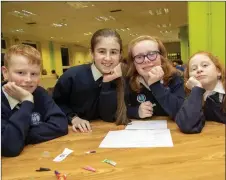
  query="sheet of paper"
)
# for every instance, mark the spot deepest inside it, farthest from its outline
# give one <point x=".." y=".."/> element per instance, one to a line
<point x="137" y="139"/>
<point x="152" y="124"/>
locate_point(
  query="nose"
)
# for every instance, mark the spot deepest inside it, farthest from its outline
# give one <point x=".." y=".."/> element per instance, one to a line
<point x="199" y="70"/>
<point x="28" y="78"/>
<point x="107" y="56"/>
<point x="146" y="60"/>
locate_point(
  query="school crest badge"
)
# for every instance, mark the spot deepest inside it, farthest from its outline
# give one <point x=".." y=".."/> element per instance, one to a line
<point x="35" y="118"/>
<point x="141" y="98"/>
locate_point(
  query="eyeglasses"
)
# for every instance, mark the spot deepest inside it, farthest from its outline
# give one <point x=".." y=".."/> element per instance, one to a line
<point x="139" y="59"/>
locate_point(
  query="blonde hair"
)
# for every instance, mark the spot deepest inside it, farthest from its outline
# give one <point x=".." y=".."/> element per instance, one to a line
<point x="31" y="53"/>
<point x="167" y="67"/>
<point x="216" y="62"/>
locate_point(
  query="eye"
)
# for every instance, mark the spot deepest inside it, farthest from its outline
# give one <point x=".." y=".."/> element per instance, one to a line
<point x="139" y="56"/>
<point x="101" y="51"/>
<point x="20" y="73"/>
<point x="205" y="65"/>
<point x="34" y="74"/>
<point x="114" y="52"/>
<point x="193" y="68"/>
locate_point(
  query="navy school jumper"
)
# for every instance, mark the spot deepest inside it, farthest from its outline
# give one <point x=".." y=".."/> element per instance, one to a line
<point x="77" y="93"/>
<point x="32" y="123"/>
<point x="192" y="115"/>
<point x="168" y="99"/>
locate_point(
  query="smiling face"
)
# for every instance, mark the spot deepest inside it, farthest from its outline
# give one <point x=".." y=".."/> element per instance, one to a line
<point x="23" y="73"/>
<point x="106" y="54"/>
<point x="204" y="70"/>
<point x="143" y="48"/>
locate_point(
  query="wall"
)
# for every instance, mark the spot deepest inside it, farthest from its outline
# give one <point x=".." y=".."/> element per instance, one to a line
<point x="207" y="27"/>
<point x="51" y="52"/>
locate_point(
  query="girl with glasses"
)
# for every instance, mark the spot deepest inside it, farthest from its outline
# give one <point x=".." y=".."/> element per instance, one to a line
<point x="152" y="86"/>
<point x="205" y="81"/>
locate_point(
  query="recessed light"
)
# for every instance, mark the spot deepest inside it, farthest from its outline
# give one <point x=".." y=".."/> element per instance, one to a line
<point x="18" y="30"/>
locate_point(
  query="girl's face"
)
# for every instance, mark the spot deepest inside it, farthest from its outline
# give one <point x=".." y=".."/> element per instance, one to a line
<point x="146" y="56"/>
<point x="204" y="70"/>
<point x="106" y="54"/>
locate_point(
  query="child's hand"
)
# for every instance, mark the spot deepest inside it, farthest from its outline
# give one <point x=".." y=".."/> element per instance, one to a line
<point x="155" y="74"/>
<point x="192" y="82"/>
<point x="17" y="92"/>
<point x="81" y="124"/>
<point x="145" y="109"/>
<point x="113" y="74"/>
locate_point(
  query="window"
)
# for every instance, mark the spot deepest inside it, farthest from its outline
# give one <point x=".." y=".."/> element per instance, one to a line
<point x="65" y="56"/>
<point x="3" y="44"/>
<point x="30" y="44"/>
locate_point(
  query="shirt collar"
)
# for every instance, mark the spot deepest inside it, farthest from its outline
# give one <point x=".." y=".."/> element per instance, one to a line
<point x="12" y="102"/>
<point x="218" y="89"/>
<point x="141" y="80"/>
<point x="96" y="73"/>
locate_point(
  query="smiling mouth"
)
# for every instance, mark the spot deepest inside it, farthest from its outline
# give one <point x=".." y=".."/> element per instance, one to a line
<point x="107" y="65"/>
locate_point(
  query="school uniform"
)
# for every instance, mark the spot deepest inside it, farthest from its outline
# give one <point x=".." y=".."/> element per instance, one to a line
<point x="167" y="99"/>
<point x="192" y="115"/>
<point x="29" y="123"/>
<point x="81" y="92"/>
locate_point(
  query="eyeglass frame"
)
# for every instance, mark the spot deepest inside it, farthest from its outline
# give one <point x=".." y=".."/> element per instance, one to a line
<point x="146" y="55"/>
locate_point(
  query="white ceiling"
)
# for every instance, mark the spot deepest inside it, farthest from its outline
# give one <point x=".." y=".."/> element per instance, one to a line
<point x="80" y="20"/>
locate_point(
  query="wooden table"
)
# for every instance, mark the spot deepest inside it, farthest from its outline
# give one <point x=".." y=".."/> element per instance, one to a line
<point x="193" y="157"/>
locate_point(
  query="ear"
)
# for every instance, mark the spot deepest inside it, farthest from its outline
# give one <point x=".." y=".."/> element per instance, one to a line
<point x="5" y="72"/>
<point x="91" y="53"/>
<point x="218" y="73"/>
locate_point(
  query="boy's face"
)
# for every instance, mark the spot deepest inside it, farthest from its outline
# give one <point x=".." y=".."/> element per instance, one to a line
<point x="22" y="73"/>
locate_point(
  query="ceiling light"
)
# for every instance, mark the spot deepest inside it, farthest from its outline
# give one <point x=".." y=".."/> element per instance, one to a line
<point x="150" y="12"/>
<point x="79" y="5"/>
<point x="159" y="11"/>
<point x="133" y="34"/>
<point x="28" y="12"/>
<point x="163" y="25"/>
<point x="18" y="30"/>
<point x="87" y="34"/>
<point x="22" y="14"/>
<point x="123" y="29"/>
<point x="166" y="10"/>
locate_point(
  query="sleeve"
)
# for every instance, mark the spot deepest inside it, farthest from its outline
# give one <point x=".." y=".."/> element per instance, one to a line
<point x="216" y="109"/>
<point x="172" y="98"/>
<point x="54" y="124"/>
<point x="108" y="101"/>
<point x="14" y="129"/>
<point x="190" y="118"/>
<point x="132" y="111"/>
<point x="61" y="95"/>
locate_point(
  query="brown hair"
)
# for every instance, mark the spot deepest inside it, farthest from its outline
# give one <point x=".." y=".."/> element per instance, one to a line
<point x="105" y="33"/>
<point x="31" y="53"/>
<point x="218" y="65"/>
<point x="167" y="67"/>
<point x="121" y="113"/>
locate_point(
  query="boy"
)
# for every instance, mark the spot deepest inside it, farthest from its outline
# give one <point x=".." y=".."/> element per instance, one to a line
<point x="28" y="114"/>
